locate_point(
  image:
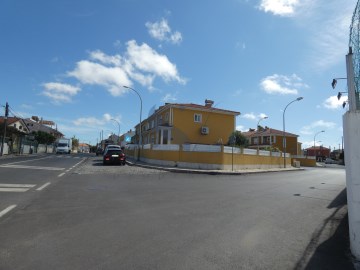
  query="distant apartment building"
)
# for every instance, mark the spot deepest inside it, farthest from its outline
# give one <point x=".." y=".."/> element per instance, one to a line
<point x="269" y="137"/>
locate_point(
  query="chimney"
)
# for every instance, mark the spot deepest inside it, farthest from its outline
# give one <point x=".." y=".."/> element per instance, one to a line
<point x="208" y="103"/>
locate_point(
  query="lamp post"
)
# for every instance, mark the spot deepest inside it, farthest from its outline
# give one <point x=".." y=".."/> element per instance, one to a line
<point x="119" y="128"/>
<point x="140" y="139"/>
<point x="257" y="127"/>
<point x="314" y="140"/>
<point x="284" y="138"/>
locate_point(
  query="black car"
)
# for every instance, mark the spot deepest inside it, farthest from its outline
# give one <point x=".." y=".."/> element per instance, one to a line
<point x="114" y="156"/>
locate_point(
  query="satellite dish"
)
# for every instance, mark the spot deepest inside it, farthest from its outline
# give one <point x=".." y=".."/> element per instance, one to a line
<point x="152" y="110"/>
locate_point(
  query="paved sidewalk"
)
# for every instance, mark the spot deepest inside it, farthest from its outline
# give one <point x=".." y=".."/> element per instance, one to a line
<point x="133" y="162"/>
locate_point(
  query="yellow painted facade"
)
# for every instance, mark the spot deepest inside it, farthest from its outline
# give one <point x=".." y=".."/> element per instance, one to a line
<point x="188" y="123"/>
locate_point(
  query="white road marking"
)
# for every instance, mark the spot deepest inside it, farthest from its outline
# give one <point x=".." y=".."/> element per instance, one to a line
<point x="26" y="161"/>
<point x="17" y="185"/>
<point x="61" y="174"/>
<point x="31" y="167"/>
<point x="43" y="186"/>
<point x="13" y="189"/>
<point x="7" y="210"/>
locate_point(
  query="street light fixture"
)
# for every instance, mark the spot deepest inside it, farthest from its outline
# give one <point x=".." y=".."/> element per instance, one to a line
<point x="119" y="128"/>
<point x="140" y="139"/>
<point x="314" y="140"/>
<point x="257" y="127"/>
<point x="284" y="138"/>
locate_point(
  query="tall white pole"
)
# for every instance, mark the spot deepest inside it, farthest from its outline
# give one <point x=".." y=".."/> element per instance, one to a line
<point x="351" y="127"/>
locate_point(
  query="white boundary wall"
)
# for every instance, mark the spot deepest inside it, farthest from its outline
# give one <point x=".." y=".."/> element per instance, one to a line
<point x="351" y="127"/>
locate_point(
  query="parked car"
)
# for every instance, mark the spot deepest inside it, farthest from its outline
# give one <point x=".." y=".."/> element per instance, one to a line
<point x="112" y="146"/>
<point x="330" y="161"/>
<point x="114" y="156"/>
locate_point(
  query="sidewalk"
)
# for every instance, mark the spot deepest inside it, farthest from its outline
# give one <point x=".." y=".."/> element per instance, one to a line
<point x="133" y="162"/>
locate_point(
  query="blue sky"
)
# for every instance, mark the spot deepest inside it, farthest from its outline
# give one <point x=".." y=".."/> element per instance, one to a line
<point x="67" y="61"/>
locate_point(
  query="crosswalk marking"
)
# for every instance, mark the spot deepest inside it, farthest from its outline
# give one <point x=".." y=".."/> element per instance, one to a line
<point x="31" y="167"/>
<point x="15" y="187"/>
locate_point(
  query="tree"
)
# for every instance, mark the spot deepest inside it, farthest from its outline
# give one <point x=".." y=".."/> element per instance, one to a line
<point x="238" y="139"/>
<point x="44" y="138"/>
<point x="75" y="143"/>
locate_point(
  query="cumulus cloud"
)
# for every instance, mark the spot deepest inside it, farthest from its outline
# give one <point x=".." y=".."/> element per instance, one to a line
<point x="313" y="127"/>
<point x="95" y="122"/>
<point x="161" y="31"/>
<point x="60" y="92"/>
<point x="146" y="59"/>
<point x="279" y="7"/>
<point x="252" y="116"/>
<point x="241" y="128"/>
<point x="334" y="103"/>
<point x="169" y="98"/>
<point x="280" y="84"/>
<point x="139" y="63"/>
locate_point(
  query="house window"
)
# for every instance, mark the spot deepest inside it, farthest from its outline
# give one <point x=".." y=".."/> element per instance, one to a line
<point x="14" y="125"/>
<point x="167" y="116"/>
<point x="197" y="118"/>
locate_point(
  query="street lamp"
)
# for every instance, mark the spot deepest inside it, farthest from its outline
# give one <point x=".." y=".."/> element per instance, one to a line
<point x="257" y="127"/>
<point x="119" y="128"/>
<point x="284" y="138"/>
<point x="140" y="139"/>
<point x="314" y="140"/>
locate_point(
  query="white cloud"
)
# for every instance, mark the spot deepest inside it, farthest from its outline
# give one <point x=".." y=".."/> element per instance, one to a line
<point x="279" y="7"/>
<point x="161" y="31"/>
<point x="169" y="98"/>
<point x="252" y="116"/>
<point x="95" y="122"/>
<point x="241" y="128"/>
<point x="59" y="92"/>
<point x="146" y="59"/>
<point x="315" y="126"/>
<point x="139" y="63"/>
<point x="280" y="84"/>
<point x="113" y="78"/>
<point x="334" y="103"/>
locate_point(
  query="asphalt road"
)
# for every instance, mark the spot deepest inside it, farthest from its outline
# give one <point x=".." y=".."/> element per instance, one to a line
<point x="123" y="217"/>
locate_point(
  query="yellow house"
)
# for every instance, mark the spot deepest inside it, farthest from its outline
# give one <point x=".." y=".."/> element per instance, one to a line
<point x="179" y="123"/>
<point x="270" y="137"/>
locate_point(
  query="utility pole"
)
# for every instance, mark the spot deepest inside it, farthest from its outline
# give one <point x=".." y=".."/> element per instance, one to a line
<point x="5" y="124"/>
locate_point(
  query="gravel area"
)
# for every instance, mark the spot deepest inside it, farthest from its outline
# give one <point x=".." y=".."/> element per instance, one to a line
<point x="94" y="165"/>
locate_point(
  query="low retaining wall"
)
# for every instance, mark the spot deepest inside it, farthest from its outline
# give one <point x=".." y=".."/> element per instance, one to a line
<point x="207" y="157"/>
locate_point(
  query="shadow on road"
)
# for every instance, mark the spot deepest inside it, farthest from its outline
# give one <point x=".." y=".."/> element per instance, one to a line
<point x="329" y="247"/>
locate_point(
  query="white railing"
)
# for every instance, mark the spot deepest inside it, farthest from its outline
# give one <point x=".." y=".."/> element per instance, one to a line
<point x="201" y="148"/>
<point x="147" y="146"/>
<point x="264" y="153"/>
<point x="247" y="151"/>
<point x="166" y="147"/>
<point x="301" y="156"/>
<point x="276" y="154"/>
<point x="230" y="149"/>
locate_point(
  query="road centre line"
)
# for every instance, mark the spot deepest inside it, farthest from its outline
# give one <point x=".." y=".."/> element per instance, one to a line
<point x="61" y="174"/>
<point x="43" y="186"/>
<point x="7" y="210"/>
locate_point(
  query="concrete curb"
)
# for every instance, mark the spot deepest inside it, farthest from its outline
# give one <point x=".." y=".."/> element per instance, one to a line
<point x="210" y="172"/>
